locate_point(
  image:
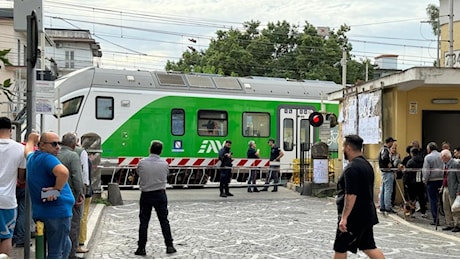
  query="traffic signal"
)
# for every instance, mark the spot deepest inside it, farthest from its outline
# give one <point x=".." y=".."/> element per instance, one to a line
<point x="316" y="119"/>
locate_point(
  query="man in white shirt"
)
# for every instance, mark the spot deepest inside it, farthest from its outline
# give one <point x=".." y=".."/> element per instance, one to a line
<point x="12" y="169"/>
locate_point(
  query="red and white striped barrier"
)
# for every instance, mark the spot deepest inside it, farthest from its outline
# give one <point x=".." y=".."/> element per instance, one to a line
<point x="196" y="162"/>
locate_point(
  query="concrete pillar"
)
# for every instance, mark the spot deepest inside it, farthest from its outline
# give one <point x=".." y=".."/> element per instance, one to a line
<point x="114" y="194"/>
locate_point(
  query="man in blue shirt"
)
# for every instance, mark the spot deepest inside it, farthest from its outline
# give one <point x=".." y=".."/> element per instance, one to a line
<point x="46" y="173"/>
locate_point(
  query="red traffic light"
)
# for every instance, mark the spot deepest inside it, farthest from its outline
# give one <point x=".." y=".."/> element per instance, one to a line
<point x="316" y="119"/>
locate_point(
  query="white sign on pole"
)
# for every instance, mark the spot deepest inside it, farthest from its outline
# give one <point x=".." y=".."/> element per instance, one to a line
<point x="320" y="171"/>
<point x="44" y="97"/>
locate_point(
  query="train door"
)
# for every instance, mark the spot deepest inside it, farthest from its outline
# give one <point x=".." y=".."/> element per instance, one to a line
<point x="294" y="129"/>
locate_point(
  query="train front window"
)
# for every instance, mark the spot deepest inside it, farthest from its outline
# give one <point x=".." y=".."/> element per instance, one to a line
<point x="256" y="124"/>
<point x="104" y="108"/>
<point x="212" y="123"/>
<point x="71" y="106"/>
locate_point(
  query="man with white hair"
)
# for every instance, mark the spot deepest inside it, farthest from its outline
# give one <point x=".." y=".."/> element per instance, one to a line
<point x="252" y="154"/>
<point x="450" y="189"/>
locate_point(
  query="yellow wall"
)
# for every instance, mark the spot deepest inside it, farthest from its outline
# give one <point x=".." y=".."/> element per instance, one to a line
<point x="444" y="40"/>
<point x="408" y="127"/>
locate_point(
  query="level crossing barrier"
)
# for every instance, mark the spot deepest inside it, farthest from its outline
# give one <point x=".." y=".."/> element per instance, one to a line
<point x="195" y="172"/>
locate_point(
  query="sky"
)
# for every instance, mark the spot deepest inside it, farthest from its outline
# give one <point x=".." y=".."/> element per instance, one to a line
<point x="143" y="34"/>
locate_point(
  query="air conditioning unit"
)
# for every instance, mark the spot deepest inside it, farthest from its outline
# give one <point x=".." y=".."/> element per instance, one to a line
<point x="58" y="45"/>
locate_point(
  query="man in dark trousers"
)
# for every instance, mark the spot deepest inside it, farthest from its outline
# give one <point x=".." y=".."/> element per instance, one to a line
<point x="275" y="156"/>
<point x="355" y="204"/>
<point x="153" y="172"/>
<point x="388" y="176"/>
<point x="252" y="154"/>
<point x="225" y="157"/>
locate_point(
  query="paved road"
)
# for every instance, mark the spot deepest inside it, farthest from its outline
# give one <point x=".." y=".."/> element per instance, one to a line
<point x="256" y="225"/>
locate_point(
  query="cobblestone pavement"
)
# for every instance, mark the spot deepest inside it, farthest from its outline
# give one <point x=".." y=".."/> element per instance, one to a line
<point x="256" y="225"/>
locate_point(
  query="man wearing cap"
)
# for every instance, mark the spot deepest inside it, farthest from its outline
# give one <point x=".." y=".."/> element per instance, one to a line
<point x="387" y="176"/>
<point x="275" y="155"/>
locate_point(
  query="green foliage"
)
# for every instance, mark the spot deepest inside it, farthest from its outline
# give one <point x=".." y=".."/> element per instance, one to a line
<point x="7" y="82"/>
<point x="433" y="15"/>
<point x="101" y="201"/>
<point x="278" y="50"/>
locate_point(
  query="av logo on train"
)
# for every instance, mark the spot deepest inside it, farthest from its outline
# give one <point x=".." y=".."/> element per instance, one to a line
<point x="211" y="146"/>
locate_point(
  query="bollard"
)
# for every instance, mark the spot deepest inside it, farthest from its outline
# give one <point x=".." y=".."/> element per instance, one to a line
<point x="40" y="240"/>
<point x="114" y="194"/>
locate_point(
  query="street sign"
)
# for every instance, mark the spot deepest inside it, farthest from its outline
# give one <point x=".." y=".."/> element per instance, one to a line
<point x="45" y="97"/>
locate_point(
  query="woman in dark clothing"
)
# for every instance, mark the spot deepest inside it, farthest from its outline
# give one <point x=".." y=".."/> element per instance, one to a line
<point x="412" y="180"/>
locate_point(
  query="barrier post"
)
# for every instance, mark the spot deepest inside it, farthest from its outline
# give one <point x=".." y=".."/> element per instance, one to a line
<point x="40" y="240"/>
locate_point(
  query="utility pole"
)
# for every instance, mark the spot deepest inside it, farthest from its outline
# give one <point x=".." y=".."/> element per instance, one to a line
<point x="343" y="62"/>
<point x="32" y="43"/>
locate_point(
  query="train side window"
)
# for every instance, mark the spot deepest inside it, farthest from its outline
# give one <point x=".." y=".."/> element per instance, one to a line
<point x="256" y="124"/>
<point x="104" y="108"/>
<point x="177" y="121"/>
<point x="288" y="134"/>
<point x="71" y="106"/>
<point x="212" y="123"/>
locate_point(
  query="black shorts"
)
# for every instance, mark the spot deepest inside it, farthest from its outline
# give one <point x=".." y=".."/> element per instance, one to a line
<point x="362" y="239"/>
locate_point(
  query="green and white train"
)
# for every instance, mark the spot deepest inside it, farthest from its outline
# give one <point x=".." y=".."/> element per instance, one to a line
<point x="192" y="114"/>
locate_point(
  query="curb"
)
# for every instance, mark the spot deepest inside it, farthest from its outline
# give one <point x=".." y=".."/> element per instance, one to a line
<point x="423" y="229"/>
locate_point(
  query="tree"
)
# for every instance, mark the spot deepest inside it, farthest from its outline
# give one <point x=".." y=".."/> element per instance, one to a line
<point x="433" y="15"/>
<point x="279" y="50"/>
<point x="7" y="82"/>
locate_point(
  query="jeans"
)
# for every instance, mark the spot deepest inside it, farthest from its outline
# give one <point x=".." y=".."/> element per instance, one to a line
<point x="387" y="189"/>
<point x="57" y="232"/>
<point x="432" y="188"/>
<point x="252" y="179"/>
<point x="19" y="230"/>
<point x="159" y="201"/>
<point x="272" y="175"/>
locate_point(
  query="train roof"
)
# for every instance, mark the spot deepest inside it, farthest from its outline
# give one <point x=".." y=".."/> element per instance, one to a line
<point x="200" y="83"/>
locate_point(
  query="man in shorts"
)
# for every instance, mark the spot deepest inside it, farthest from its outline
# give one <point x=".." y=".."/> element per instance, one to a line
<point x="12" y="170"/>
<point x="355" y="204"/>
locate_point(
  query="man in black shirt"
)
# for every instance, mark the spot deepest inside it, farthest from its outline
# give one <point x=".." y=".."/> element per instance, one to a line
<point x="355" y="204"/>
<point x="225" y="157"/>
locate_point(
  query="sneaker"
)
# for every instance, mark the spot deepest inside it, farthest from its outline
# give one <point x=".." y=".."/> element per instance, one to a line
<point x="447" y="228"/>
<point x="274" y="190"/>
<point x="170" y="250"/>
<point x="256" y="190"/>
<point x="456" y="229"/>
<point x="417" y="207"/>
<point x="223" y="195"/>
<point x="81" y="249"/>
<point x="140" y="251"/>
<point x="249" y="190"/>
<point x="424" y="215"/>
<point x="229" y="194"/>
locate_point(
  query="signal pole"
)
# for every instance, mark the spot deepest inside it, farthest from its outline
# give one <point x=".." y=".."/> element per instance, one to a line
<point x="343" y="62"/>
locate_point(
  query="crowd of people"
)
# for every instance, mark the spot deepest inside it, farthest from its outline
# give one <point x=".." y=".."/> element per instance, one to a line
<point x="428" y="176"/>
<point x="57" y="175"/>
